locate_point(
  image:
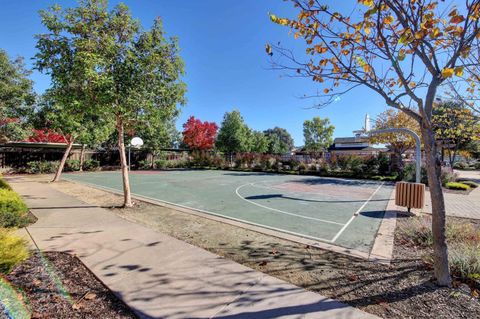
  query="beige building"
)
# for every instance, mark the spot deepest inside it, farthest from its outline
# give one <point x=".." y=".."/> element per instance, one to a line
<point x="354" y="146"/>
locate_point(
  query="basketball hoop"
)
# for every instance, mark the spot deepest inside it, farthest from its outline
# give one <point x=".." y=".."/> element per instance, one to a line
<point x="136" y="142"/>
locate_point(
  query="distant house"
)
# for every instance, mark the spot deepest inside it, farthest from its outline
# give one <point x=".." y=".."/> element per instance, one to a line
<point x="355" y="145"/>
<point x="18" y="154"/>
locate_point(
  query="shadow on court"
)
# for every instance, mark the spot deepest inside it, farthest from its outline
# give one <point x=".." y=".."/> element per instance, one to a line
<point x="334" y="181"/>
<point x="273" y="196"/>
<point x="249" y="174"/>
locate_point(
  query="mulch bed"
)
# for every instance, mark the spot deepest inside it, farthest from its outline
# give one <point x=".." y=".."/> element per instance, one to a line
<point x="58" y="285"/>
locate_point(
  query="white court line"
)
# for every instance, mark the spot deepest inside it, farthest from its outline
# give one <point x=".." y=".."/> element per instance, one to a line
<point x="356" y="213"/>
<point x="273" y="188"/>
<point x="281" y="211"/>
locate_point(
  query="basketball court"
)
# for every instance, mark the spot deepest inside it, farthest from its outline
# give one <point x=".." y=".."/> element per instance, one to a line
<point x="337" y="212"/>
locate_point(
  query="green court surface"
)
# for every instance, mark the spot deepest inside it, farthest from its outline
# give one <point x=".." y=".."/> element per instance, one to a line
<point x="340" y="212"/>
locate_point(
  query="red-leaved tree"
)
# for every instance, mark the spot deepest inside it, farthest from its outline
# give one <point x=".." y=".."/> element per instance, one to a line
<point x="46" y="136"/>
<point x="199" y="135"/>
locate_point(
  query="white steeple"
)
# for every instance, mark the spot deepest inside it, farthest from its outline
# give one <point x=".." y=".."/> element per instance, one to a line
<point x="367" y="123"/>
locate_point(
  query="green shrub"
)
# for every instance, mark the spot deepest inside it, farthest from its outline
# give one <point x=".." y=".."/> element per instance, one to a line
<point x="472" y="184"/>
<point x="4" y="184"/>
<point x="460" y="165"/>
<point x="72" y="165"/>
<point x="476" y="165"/>
<point x="144" y="164"/>
<point x="390" y="178"/>
<point x="178" y="163"/>
<point x="292" y="163"/>
<point x="13" y="250"/>
<point x="160" y="164"/>
<point x="372" y="165"/>
<point x="41" y="167"/>
<point x="352" y="165"/>
<point x="13" y="210"/>
<point x="302" y="167"/>
<point x="447" y="176"/>
<point x="383" y="163"/>
<point x="207" y="159"/>
<point x="407" y="174"/>
<point x="91" y="165"/>
<point x="457" y="186"/>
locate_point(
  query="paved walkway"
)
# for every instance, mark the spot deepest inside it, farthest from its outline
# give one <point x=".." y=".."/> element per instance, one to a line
<point x="159" y="276"/>
<point x="457" y="205"/>
<point x="460" y="205"/>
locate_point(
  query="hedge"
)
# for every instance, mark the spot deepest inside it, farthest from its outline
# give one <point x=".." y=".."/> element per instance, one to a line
<point x="457" y="186"/>
<point x="13" y="210"/>
<point x="13" y="250"/>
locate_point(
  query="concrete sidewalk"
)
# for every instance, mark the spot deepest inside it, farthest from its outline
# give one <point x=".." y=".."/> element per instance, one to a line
<point x="460" y="205"/>
<point x="159" y="276"/>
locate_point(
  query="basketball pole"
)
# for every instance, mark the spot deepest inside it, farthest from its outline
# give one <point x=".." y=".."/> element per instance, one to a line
<point x="129" y="148"/>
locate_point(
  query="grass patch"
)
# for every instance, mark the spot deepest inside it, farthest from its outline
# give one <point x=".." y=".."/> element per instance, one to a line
<point x="463" y="240"/>
<point x="457" y="186"/>
<point x="13" y="250"/>
<point x="465" y="260"/>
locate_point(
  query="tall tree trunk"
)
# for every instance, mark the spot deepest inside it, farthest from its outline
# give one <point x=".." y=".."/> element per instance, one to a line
<point x="64" y="159"/>
<point x="433" y="165"/>
<point x="82" y="157"/>
<point x="127" y="196"/>
<point x="400" y="161"/>
<point x="451" y="156"/>
<point x="397" y="161"/>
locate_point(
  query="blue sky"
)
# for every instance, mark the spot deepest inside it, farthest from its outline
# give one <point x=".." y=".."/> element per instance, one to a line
<point x="222" y="44"/>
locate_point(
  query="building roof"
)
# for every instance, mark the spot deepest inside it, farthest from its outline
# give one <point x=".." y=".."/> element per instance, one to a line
<point x="359" y="148"/>
<point x="350" y="140"/>
<point x="38" y="145"/>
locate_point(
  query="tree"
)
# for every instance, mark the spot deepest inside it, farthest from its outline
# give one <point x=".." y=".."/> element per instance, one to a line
<point x="233" y="134"/>
<point x="70" y="53"/>
<point x="258" y="142"/>
<point x="474" y="147"/>
<point x="16" y="98"/>
<point x="158" y="132"/>
<point x="46" y="136"/>
<point x="133" y="74"/>
<point x="402" y="50"/>
<point x="455" y="127"/>
<point x="398" y="143"/>
<point x="198" y="135"/>
<point x="141" y="78"/>
<point x="94" y="131"/>
<point x="57" y="121"/>
<point x="317" y="134"/>
<point x="280" y="140"/>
